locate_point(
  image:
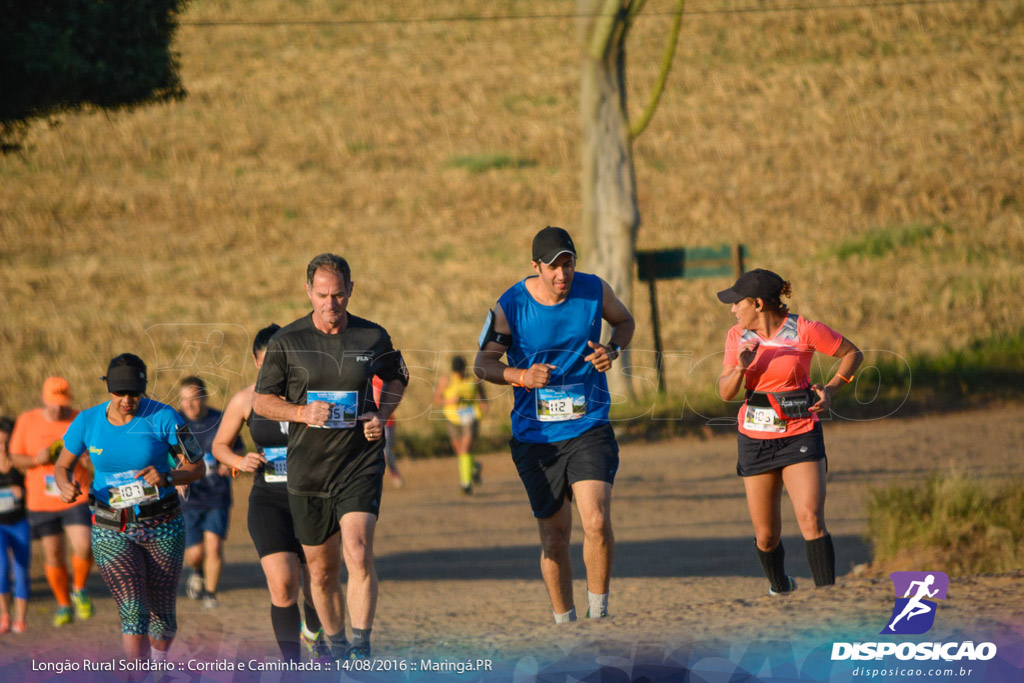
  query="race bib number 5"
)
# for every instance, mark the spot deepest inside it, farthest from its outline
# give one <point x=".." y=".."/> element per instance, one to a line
<point x="344" y="407"/>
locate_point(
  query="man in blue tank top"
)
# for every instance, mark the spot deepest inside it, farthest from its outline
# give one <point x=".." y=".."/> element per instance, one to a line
<point x="549" y="327"/>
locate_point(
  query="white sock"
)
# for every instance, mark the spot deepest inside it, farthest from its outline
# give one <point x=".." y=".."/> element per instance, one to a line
<point x="565" y="618"/>
<point x="598" y="605"/>
<point x="159" y="656"/>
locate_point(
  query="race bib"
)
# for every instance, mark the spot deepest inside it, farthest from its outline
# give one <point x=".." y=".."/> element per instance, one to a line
<point x="758" y="419"/>
<point x="211" y="464"/>
<point x="276" y="469"/>
<point x="344" y="407"/>
<point x="467" y="415"/>
<point x="51" y="486"/>
<point x="558" y="404"/>
<point x="126" y="490"/>
<point x="8" y="503"/>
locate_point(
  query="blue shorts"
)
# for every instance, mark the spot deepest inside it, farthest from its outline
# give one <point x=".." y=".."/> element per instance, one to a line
<point x="214" y="520"/>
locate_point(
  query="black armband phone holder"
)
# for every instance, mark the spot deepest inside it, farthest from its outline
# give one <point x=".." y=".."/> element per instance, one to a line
<point x="187" y="445"/>
<point x="489" y="334"/>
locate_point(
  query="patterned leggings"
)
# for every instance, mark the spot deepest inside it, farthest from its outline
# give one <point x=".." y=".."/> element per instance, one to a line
<point x="141" y="566"/>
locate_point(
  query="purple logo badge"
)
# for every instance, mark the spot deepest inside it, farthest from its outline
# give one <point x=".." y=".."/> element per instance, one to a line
<point x="916" y="593"/>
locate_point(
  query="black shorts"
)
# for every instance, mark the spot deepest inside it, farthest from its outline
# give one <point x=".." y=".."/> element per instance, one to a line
<point x="270" y="522"/>
<point x="53" y="523"/>
<point x="316" y="518"/>
<point x="757" y="456"/>
<point x="549" y="470"/>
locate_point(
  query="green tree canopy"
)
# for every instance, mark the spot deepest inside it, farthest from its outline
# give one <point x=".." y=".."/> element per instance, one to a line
<point x="59" y="55"/>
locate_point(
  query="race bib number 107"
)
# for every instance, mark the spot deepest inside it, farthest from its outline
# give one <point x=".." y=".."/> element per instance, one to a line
<point x="126" y="490"/>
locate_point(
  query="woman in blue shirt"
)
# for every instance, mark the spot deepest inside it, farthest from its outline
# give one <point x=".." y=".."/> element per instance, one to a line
<point x="138" y="536"/>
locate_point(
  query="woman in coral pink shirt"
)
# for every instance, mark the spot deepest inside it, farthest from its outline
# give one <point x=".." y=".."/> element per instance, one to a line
<point x="768" y="354"/>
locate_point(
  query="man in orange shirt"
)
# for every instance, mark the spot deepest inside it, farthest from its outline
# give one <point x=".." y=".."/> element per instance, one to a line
<point x="36" y="442"/>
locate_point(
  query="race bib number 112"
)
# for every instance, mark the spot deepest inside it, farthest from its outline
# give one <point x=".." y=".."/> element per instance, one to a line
<point x="558" y="404"/>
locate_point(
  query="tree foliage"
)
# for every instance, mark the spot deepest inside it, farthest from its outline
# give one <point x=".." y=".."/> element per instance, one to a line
<point x="60" y="55"/>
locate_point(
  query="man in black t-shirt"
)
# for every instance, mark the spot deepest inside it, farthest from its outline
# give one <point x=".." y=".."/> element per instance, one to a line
<point x="317" y="375"/>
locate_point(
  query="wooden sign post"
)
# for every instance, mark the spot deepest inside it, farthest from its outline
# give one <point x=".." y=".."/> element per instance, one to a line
<point x="684" y="262"/>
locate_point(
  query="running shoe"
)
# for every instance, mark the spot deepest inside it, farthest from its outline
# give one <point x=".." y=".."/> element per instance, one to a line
<point x="323" y="649"/>
<point x="317" y="648"/>
<point x="308" y="644"/>
<point x="63" y="616"/>
<point x="82" y="603"/>
<point x="359" y="652"/>
<point x="790" y="587"/>
<point x="194" y="585"/>
<point x="5" y="623"/>
<point x="210" y="601"/>
<point x="19" y="626"/>
<point x="477" y="469"/>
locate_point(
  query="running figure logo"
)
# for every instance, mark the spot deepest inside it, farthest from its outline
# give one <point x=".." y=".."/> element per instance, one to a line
<point x="914" y="613"/>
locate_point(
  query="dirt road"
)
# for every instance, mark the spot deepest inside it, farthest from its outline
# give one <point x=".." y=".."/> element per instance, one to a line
<point x="459" y="576"/>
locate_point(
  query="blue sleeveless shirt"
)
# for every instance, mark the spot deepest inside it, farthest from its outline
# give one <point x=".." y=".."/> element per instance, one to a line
<point x="576" y="398"/>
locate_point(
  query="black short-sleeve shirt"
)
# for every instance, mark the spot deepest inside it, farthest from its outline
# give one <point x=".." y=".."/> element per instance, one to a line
<point x="12" y="507"/>
<point x="300" y="359"/>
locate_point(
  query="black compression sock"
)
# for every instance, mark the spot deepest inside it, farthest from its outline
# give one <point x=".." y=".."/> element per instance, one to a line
<point x="286" y="622"/>
<point x="821" y="556"/>
<point x="339" y="645"/>
<point x="360" y="637"/>
<point x="774" y="564"/>
<point x="312" y="619"/>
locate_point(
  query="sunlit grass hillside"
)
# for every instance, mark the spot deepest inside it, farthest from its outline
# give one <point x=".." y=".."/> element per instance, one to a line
<point x="954" y="523"/>
<point x="872" y="156"/>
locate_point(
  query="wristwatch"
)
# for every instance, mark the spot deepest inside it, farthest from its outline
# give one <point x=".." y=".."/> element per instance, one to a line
<point x="170" y="479"/>
<point x="616" y="348"/>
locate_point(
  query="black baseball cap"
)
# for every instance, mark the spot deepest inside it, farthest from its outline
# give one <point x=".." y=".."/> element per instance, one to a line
<point x="550" y="243"/>
<point x="757" y="284"/>
<point x="125" y="377"/>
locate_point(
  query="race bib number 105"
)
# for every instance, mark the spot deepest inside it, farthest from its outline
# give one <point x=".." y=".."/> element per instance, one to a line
<point x="761" y="419"/>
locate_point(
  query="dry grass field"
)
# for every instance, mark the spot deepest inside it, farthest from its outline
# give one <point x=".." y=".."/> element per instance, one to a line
<point x="871" y="155"/>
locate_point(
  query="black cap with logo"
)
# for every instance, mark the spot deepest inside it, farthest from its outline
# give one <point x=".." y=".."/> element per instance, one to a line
<point x="126" y="375"/>
<point x="550" y="243"/>
<point x="757" y="284"/>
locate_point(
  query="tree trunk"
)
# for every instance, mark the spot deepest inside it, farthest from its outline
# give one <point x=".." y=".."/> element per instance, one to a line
<point x="610" y="214"/>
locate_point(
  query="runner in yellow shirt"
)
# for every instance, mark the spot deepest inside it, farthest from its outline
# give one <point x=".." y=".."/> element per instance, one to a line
<point x="464" y="403"/>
